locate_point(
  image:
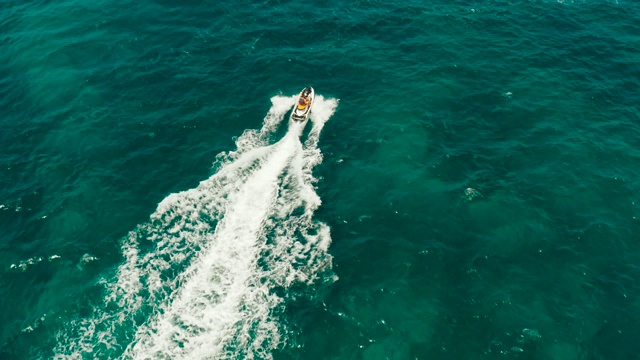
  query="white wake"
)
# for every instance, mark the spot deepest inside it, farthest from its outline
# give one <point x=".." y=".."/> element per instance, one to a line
<point x="207" y="276"/>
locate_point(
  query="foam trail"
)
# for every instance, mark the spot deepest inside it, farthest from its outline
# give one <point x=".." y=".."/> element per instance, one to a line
<point x="205" y="285"/>
<point x="280" y="106"/>
<point x="208" y="302"/>
<point x="251" y="138"/>
<point x="323" y="109"/>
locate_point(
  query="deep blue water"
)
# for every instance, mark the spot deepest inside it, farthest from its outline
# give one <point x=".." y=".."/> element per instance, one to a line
<point x="467" y="187"/>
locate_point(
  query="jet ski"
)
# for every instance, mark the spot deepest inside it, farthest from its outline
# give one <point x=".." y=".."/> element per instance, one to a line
<point x="302" y="108"/>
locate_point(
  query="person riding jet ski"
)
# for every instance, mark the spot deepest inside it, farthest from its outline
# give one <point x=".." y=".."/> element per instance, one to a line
<point x="302" y="106"/>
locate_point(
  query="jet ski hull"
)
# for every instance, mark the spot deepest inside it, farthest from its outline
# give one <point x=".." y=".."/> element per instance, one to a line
<point x="302" y="114"/>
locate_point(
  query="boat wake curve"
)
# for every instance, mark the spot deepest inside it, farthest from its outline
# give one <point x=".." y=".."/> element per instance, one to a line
<point x="205" y="277"/>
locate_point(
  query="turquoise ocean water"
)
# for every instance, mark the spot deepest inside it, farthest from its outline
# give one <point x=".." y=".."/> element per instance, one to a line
<point x="467" y="186"/>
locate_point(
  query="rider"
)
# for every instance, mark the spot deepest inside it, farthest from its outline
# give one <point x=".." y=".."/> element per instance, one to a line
<point x="303" y="102"/>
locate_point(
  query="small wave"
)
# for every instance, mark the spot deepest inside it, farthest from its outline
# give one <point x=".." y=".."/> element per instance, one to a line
<point x="24" y="265"/>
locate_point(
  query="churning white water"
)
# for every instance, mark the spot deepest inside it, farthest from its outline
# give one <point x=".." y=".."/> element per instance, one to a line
<point x="204" y="279"/>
